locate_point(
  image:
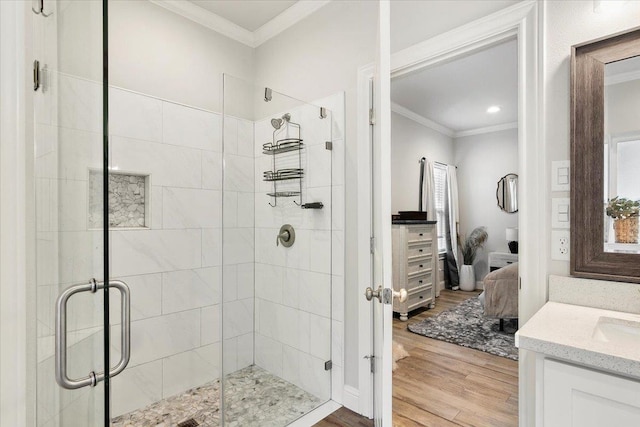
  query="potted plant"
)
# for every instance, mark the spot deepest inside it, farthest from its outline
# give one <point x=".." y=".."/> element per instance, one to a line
<point x="625" y="214"/>
<point x="469" y="249"/>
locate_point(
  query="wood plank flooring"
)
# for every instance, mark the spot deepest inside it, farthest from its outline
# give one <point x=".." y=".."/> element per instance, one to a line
<point x="442" y="384"/>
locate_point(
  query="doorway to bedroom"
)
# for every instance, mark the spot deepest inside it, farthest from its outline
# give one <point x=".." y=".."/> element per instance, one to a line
<point x="454" y="163"/>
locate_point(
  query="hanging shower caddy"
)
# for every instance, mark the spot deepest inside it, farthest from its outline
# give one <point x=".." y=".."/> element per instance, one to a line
<point x="280" y="146"/>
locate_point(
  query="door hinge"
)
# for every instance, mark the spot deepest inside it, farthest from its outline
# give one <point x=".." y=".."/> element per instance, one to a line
<point x="328" y="145"/>
<point x="36" y="75"/>
<point x="372" y="363"/>
<point x="372" y="244"/>
<point x="372" y="119"/>
<point x="519" y="282"/>
<point x="328" y="365"/>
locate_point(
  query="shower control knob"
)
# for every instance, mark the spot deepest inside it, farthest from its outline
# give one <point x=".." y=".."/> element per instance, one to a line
<point x="286" y="236"/>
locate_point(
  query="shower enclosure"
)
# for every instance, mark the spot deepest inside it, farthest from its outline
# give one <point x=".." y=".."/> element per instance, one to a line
<point x="194" y="247"/>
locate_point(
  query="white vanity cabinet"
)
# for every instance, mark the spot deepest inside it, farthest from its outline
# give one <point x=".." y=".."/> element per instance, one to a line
<point x="415" y="264"/>
<point x="569" y="395"/>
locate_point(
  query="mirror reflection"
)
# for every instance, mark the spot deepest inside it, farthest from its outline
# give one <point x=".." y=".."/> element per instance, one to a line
<point x="622" y="155"/>
<point x="507" y="193"/>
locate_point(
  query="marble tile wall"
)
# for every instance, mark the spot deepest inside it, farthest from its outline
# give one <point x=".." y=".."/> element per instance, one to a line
<point x="299" y="290"/>
<point x="128" y="200"/>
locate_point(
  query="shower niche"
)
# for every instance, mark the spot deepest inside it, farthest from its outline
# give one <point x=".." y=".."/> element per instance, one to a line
<point x="128" y="198"/>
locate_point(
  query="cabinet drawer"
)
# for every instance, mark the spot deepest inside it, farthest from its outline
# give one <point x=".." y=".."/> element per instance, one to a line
<point x="417" y="234"/>
<point x="418" y="281"/>
<point x="419" y="249"/>
<point x="418" y="264"/>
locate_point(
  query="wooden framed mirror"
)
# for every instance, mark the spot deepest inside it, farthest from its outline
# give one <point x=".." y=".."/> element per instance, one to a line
<point x="605" y="156"/>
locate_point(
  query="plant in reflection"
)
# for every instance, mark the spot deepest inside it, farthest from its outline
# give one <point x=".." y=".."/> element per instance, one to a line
<point x="625" y="213"/>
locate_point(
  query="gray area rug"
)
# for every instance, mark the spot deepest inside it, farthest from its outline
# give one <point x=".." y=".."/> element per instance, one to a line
<point x="465" y="325"/>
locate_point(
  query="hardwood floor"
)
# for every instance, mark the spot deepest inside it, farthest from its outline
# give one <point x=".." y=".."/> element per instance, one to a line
<point x="442" y="384"/>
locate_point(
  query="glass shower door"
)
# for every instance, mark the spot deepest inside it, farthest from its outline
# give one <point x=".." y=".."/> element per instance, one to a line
<point x="276" y="256"/>
<point x="70" y="266"/>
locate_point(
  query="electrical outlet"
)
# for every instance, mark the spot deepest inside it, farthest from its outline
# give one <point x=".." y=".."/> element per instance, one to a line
<point x="560" y="245"/>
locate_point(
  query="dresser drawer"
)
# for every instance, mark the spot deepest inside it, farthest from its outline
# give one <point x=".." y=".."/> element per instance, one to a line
<point x="417" y="234"/>
<point x="419" y="249"/>
<point x="419" y="299"/>
<point x="417" y="281"/>
<point x="418" y="264"/>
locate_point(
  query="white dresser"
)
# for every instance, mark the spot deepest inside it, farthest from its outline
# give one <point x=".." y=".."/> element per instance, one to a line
<point x="415" y="264"/>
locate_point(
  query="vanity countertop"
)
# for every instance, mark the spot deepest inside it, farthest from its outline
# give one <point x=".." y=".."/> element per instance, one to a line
<point x="603" y="339"/>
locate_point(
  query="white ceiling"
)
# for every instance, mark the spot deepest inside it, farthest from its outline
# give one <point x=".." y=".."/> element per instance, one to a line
<point x="248" y="14"/>
<point x="457" y="94"/>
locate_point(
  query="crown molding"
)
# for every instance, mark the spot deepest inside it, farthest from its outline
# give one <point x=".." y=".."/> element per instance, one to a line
<point x="488" y="129"/>
<point x="208" y="19"/>
<point x="286" y="19"/>
<point x="405" y="112"/>
<point x="217" y="23"/>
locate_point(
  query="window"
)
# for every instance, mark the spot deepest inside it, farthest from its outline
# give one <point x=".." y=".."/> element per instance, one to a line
<point x="440" y="181"/>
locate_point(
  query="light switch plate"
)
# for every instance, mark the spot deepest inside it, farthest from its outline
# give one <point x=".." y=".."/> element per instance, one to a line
<point x="560" y="175"/>
<point x="560" y="245"/>
<point x="560" y="212"/>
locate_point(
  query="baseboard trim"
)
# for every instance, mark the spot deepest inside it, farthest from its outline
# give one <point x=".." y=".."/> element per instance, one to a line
<point x="351" y="398"/>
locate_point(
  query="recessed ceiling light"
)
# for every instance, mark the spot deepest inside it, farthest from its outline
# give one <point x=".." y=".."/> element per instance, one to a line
<point x="493" y="109"/>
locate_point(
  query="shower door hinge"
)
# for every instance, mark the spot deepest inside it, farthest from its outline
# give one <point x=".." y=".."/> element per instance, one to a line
<point x="36" y="75"/>
<point x="328" y="365"/>
<point x="372" y="119"/>
<point x="372" y="363"/>
<point x="372" y="244"/>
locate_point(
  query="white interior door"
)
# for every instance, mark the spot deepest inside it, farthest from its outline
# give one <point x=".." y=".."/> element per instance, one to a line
<point x="381" y="216"/>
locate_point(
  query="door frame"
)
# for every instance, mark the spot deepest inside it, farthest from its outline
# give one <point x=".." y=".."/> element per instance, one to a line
<point x="524" y="21"/>
<point x="16" y="208"/>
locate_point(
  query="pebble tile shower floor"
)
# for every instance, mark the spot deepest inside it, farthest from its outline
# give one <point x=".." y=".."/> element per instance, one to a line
<point x="254" y="397"/>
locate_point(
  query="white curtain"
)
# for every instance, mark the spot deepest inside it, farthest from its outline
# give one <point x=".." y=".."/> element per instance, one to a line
<point x="454" y="209"/>
<point x="428" y="190"/>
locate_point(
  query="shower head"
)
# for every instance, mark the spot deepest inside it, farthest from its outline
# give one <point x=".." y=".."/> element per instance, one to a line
<point x="277" y="123"/>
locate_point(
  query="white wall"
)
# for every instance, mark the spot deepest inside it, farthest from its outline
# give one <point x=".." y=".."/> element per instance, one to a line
<point x="410" y="141"/>
<point x="482" y="160"/>
<point x="159" y="53"/>
<point x="566" y="24"/>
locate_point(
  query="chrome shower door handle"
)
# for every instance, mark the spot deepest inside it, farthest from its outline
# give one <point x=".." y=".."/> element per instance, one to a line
<point x="61" y="334"/>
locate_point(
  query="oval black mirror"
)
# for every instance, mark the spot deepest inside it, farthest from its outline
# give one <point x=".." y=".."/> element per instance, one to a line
<point x="507" y="193"/>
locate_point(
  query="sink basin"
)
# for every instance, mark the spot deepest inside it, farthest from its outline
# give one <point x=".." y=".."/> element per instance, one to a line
<point x="617" y="331"/>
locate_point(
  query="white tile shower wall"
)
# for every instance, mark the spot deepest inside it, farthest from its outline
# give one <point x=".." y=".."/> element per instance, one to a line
<point x="299" y="290"/>
<point x="185" y="244"/>
<point x="174" y="268"/>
